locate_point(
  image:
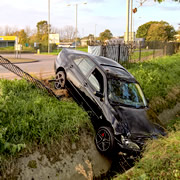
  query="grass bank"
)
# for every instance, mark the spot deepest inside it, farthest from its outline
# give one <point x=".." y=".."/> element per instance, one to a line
<point x="29" y="116"/>
<point x="160" y="80"/>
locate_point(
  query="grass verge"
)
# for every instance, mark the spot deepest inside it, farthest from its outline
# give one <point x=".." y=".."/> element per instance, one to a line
<point x="21" y="60"/>
<point x="161" y="159"/>
<point x="160" y="80"/>
<point x="29" y="116"/>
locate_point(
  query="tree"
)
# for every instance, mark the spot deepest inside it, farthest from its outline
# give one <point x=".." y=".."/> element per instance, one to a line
<point x="105" y="35"/>
<point x="143" y="29"/>
<point x="22" y="37"/>
<point x="42" y="32"/>
<point x="155" y="30"/>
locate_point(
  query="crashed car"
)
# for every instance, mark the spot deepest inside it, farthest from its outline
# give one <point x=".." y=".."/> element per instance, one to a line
<point x="121" y="116"/>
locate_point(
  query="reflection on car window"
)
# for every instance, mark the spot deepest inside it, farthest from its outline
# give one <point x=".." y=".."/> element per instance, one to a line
<point x="125" y="93"/>
<point x="96" y="79"/>
<point x="77" y="61"/>
<point x="94" y="82"/>
<point x="84" y="64"/>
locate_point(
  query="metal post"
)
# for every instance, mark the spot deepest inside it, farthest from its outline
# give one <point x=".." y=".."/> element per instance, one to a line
<point x="131" y="22"/>
<point x="95" y="33"/>
<point x="48" y="25"/>
<point x="76" y="26"/>
<point x="127" y="22"/>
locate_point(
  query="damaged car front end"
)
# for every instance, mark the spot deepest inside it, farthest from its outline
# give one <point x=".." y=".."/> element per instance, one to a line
<point x="112" y="96"/>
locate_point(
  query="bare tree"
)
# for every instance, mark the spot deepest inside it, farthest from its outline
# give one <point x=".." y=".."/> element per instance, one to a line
<point x="29" y="31"/>
<point x="10" y="30"/>
<point x="1" y="31"/>
<point x="69" y="33"/>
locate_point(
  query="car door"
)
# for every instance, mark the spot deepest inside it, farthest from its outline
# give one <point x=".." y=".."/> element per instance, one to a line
<point x="79" y="68"/>
<point x="95" y="90"/>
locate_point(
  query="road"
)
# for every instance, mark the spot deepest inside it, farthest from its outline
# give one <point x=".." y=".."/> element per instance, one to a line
<point x="43" y="68"/>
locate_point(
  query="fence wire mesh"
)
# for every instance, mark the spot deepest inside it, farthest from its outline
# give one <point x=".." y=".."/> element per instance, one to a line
<point x="24" y="75"/>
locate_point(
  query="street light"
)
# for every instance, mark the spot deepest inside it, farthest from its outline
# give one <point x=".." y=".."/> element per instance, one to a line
<point x="48" y="24"/>
<point x="76" y="5"/>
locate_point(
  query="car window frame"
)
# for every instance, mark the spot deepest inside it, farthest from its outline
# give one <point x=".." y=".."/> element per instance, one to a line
<point x="77" y="65"/>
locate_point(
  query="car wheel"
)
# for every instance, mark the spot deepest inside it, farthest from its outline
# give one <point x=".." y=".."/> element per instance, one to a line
<point x="104" y="139"/>
<point x="60" y="80"/>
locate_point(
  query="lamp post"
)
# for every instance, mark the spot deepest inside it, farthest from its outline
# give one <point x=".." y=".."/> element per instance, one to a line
<point x="76" y="5"/>
<point x="127" y="21"/>
<point x="48" y="25"/>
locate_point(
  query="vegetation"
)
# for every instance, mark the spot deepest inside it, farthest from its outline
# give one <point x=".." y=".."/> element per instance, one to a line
<point x="135" y="55"/>
<point x="29" y="116"/>
<point x="160" y="160"/>
<point x="156" y="31"/>
<point x="160" y="80"/>
<point x="105" y="35"/>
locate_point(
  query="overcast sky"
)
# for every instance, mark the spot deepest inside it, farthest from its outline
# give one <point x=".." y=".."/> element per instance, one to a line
<point x="105" y="14"/>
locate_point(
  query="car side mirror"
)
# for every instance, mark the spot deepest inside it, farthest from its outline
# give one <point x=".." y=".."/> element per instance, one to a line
<point x="98" y="94"/>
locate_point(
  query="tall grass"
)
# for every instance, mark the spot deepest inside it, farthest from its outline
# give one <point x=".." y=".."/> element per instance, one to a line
<point x="160" y="80"/>
<point x="28" y="115"/>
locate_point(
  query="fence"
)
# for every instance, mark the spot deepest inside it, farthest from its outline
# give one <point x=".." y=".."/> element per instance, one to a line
<point x="149" y="50"/>
<point x="19" y="72"/>
<point x="118" y="52"/>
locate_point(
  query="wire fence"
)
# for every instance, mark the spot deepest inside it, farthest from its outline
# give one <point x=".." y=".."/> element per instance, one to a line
<point x="139" y="51"/>
<point x="142" y="51"/>
<point x="24" y="75"/>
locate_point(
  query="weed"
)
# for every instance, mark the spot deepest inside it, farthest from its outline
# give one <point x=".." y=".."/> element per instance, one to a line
<point x="89" y="174"/>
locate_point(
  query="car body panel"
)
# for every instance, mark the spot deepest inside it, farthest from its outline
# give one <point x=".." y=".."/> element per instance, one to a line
<point x="130" y="122"/>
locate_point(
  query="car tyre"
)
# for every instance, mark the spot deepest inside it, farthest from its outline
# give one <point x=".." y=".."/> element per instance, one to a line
<point x="60" y="80"/>
<point x="104" y="140"/>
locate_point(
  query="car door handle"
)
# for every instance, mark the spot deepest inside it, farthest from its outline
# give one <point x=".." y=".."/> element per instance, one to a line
<point x="85" y="84"/>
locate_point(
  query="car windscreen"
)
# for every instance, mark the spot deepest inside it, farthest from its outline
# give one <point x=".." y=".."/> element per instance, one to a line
<point x="125" y="93"/>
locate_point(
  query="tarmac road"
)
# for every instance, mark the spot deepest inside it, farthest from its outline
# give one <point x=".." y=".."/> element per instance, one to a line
<point x="44" y="67"/>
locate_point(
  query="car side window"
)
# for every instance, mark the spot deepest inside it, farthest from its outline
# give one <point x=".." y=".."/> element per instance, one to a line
<point x="96" y="79"/>
<point x="84" y="64"/>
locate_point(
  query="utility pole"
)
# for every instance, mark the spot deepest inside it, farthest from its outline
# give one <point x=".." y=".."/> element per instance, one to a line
<point x="76" y="26"/>
<point x="131" y="33"/>
<point x="48" y="24"/>
<point x="127" y="21"/>
<point x="95" y="32"/>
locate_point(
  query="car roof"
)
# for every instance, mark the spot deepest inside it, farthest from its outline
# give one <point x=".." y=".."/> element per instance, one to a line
<point x="107" y="65"/>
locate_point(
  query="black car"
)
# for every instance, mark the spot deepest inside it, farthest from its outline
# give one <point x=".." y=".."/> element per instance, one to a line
<point x="114" y="98"/>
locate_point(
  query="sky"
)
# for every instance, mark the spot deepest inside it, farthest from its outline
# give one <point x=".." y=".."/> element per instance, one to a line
<point x="93" y="17"/>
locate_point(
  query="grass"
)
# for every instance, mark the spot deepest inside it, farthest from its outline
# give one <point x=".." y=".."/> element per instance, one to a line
<point x="56" y="52"/>
<point x="161" y="160"/>
<point x="11" y="49"/>
<point x="160" y="80"/>
<point x="135" y="55"/>
<point x="29" y="116"/>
